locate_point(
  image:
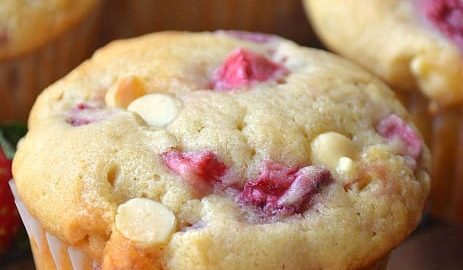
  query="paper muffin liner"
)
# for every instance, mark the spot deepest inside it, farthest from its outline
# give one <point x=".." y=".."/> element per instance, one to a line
<point x="442" y="130"/>
<point x="49" y="252"/>
<point x="22" y="77"/>
<point x="127" y="18"/>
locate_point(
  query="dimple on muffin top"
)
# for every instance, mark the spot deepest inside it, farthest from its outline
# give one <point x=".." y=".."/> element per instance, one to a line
<point x="254" y="152"/>
<point x="411" y="44"/>
<point x="27" y="24"/>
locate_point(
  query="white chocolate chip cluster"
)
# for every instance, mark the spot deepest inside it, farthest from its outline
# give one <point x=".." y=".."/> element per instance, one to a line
<point x="156" y="109"/>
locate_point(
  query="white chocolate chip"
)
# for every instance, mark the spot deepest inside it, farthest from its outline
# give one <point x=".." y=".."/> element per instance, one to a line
<point x="346" y="169"/>
<point x="157" y="110"/>
<point x="433" y="77"/>
<point x="345" y="165"/>
<point x="145" y="221"/>
<point x="124" y="91"/>
<point x="328" y="148"/>
<point x="418" y="66"/>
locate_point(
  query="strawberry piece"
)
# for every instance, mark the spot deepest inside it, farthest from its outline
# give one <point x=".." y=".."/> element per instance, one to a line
<point x="9" y="219"/>
<point x="395" y="129"/>
<point x="272" y="182"/>
<point x="282" y="191"/>
<point x="202" y="169"/>
<point x="248" y="36"/>
<point x="447" y="16"/>
<point x="244" y="68"/>
<point x="86" y="113"/>
<point x="308" y="181"/>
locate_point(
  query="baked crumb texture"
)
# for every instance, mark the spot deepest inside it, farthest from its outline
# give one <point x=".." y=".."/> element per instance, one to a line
<point x="223" y="150"/>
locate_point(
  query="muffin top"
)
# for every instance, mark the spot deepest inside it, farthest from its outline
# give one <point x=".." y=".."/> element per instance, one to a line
<point x="225" y="150"/>
<point x="411" y="44"/>
<point x="27" y="24"/>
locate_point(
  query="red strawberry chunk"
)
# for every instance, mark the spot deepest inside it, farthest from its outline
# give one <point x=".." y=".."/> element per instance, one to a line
<point x="85" y="113"/>
<point x="249" y="36"/>
<point x="307" y="182"/>
<point x="395" y="129"/>
<point x="272" y="182"/>
<point x="447" y="16"/>
<point x="283" y="191"/>
<point x="244" y="68"/>
<point x="9" y="219"/>
<point x="202" y="169"/>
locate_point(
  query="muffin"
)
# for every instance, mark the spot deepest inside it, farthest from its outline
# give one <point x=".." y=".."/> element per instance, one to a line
<point x="40" y="41"/>
<point x="416" y="47"/>
<point x="220" y="150"/>
<point x="126" y="18"/>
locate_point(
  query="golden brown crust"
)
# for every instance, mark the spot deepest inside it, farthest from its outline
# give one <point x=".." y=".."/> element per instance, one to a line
<point x="121" y="254"/>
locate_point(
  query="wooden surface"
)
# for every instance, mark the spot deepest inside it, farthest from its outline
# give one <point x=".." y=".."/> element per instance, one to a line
<point x="435" y="246"/>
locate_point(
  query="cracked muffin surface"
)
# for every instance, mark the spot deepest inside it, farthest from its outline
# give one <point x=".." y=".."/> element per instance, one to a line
<point x="224" y="150"/>
<point x="411" y="44"/>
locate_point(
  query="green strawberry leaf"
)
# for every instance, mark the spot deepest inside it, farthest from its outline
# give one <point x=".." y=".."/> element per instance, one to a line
<point x="13" y="131"/>
<point x="7" y="147"/>
<point x="10" y="134"/>
<point x="22" y="241"/>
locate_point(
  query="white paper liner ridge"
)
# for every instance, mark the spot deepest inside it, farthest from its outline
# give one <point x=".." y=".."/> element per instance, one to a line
<point x="79" y="260"/>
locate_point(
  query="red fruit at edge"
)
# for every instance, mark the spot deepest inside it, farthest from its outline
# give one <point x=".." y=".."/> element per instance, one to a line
<point x="9" y="219"/>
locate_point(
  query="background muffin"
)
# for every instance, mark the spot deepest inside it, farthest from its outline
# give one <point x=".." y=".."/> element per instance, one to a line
<point x="238" y="150"/>
<point x="127" y="18"/>
<point x="41" y="41"/>
<point x="415" y="46"/>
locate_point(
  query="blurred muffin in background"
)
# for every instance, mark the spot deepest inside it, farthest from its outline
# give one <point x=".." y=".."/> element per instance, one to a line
<point x="417" y="47"/>
<point x="127" y="18"/>
<point x="41" y="41"/>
